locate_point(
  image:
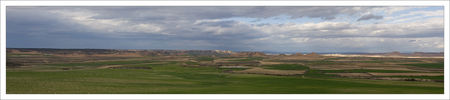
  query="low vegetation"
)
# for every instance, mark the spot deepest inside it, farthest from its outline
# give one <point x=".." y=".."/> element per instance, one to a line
<point x="204" y="58"/>
<point x="221" y="74"/>
<point x="428" y="65"/>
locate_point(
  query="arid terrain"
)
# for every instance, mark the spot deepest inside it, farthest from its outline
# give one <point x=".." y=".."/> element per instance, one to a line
<point x="99" y="71"/>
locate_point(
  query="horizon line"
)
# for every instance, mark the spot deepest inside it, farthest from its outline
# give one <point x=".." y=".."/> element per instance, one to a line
<point x="264" y="51"/>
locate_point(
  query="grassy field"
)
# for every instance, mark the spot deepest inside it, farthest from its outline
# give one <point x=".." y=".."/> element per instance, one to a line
<point x="205" y="58"/>
<point x="428" y="65"/>
<point x="47" y="73"/>
<point x="172" y="78"/>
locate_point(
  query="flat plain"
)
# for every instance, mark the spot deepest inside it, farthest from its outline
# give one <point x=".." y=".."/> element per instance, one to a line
<point x="98" y="71"/>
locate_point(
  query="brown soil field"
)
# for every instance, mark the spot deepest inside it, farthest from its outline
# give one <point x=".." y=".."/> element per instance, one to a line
<point x="270" y="63"/>
<point x="388" y="68"/>
<point x="112" y="66"/>
<point x="351" y="74"/>
<point x="402" y="79"/>
<point x="108" y="66"/>
<point x="335" y="67"/>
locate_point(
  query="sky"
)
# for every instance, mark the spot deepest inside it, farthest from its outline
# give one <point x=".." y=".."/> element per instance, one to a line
<point x="250" y="28"/>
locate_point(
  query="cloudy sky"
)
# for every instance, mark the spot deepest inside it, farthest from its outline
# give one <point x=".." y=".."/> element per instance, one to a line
<point x="278" y="29"/>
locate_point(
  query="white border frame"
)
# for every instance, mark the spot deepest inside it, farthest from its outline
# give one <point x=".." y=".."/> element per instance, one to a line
<point x="222" y="96"/>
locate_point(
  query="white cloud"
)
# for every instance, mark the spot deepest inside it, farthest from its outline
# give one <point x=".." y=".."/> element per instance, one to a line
<point x="113" y="26"/>
<point x="346" y="29"/>
<point x="392" y="9"/>
<point x="414" y="16"/>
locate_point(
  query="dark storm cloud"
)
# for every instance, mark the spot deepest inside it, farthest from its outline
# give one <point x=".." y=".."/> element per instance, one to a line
<point x="369" y="17"/>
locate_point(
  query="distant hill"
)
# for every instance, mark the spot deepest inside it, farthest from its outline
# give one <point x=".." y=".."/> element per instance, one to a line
<point x="116" y="52"/>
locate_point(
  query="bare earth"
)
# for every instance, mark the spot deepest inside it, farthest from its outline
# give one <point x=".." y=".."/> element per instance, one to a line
<point x="352" y="74"/>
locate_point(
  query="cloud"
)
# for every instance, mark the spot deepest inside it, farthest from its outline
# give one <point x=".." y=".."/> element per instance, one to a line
<point x="415" y="16"/>
<point x="369" y="17"/>
<point x="85" y="18"/>
<point x="229" y="28"/>
<point x="389" y="10"/>
<point x="426" y="28"/>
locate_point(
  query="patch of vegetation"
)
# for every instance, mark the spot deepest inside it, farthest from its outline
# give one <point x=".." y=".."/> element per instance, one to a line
<point x="203" y="58"/>
<point x="286" y="67"/>
<point x="323" y="62"/>
<point x="10" y="64"/>
<point x="191" y="63"/>
<point x="428" y="65"/>
<point x="318" y="74"/>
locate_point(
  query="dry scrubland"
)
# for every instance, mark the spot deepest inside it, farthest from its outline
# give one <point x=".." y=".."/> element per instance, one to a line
<point x="42" y="71"/>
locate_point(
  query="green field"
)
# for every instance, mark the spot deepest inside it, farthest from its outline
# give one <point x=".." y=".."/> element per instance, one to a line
<point x="99" y="71"/>
<point x="428" y="65"/>
<point x="205" y="58"/>
<point x="172" y="78"/>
